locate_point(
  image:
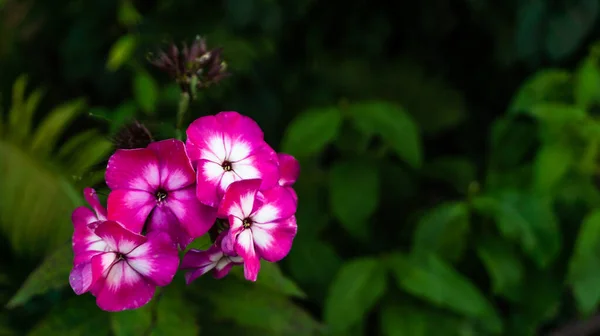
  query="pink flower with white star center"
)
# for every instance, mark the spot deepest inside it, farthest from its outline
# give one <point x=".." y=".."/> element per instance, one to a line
<point x="214" y="259"/>
<point x="157" y="184"/>
<point x="225" y="148"/>
<point x="125" y="275"/>
<point x="262" y="223"/>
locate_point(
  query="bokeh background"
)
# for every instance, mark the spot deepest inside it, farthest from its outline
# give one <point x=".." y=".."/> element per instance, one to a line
<point x="449" y="155"/>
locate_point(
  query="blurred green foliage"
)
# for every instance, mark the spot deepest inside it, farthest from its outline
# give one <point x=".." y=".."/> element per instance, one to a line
<point x="449" y="158"/>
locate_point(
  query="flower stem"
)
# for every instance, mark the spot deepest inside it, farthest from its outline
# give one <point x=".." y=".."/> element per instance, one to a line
<point x="184" y="103"/>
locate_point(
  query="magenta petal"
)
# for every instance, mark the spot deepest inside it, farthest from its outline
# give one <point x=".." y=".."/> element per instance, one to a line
<point x="227" y="243"/>
<point x="237" y="126"/>
<point x="194" y="217"/>
<point x="86" y="244"/>
<point x="273" y="241"/>
<point x="83" y="216"/>
<point x="200" y="262"/>
<point x="261" y="164"/>
<point x="222" y="268"/>
<point x="118" y="238"/>
<point x="123" y="289"/>
<point x="239" y="199"/>
<point x="80" y="278"/>
<point x="209" y="178"/>
<point x="130" y="207"/>
<point x="244" y="247"/>
<point x="205" y="140"/>
<point x="163" y="220"/>
<point x="92" y="198"/>
<point x="293" y="193"/>
<point x="157" y="259"/>
<point x="289" y="169"/>
<point x="135" y="169"/>
<point x="278" y="204"/>
<point x="176" y="171"/>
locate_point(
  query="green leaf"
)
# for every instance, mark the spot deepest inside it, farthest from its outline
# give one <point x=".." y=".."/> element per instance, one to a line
<point x="568" y="27"/>
<point x="256" y="307"/>
<point x="49" y="131"/>
<point x="18" y="102"/>
<point x="121" y="51"/>
<point x="431" y="279"/>
<point x="146" y="92"/>
<point x="411" y="320"/>
<point x="587" y="81"/>
<point x="584" y="274"/>
<point x="270" y="277"/>
<point x="354" y="194"/>
<point x="53" y="273"/>
<point x="355" y="290"/>
<point x="442" y="230"/>
<point x="132" y="322"/>
<point x="174" y="316"/>
<point x="128" y="15"/>
<point x="558" y="114"/>
<point x="22" y="129"/>
<point x="551" y="164"/>
<point x="393" y="124"/>
<point x="77" y="316"/>
<point x="544" y="86"/>
<point x="311" y="131"/>
<point x="524" y="218"/>
<point x="503" y="266"/>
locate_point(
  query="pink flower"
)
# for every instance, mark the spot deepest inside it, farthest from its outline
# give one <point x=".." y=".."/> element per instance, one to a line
<point x="229" y="147"/>
<point x="289" y="170"/>
<point x="85" y="243"/>
<point x="201" y="262"/>
<point x="125" y="275"/>
<point x="157" y="184"/>
<point x="262" y="223"/>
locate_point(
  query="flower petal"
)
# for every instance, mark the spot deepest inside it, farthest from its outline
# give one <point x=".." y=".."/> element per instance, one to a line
<point x="86" y="243"/>
<point x="176" y="171"/>
<point x="200" y="262"/>
<point x="162" y="219"/>
<point x="278" y="204"/>
<point x="135" y="169"/>
<point x="80" y="278"/>
<point x="209" y="176"/>
<point x="239" y="199"/>
<point x="194" y="217"/>
<point x="130" y="207"/>
<point x="244" y="247"/>
<point x="222" y="268"/>
<point x="226" y="242"/>
<point x="92" y="198"/>
<point x="289" y="169"/>
<point x="262" y="164"/>
<point x="118" y="238"/>
<point x="238" y="129"/>
<point x="83" y="216"/>
<point x="123" y="288"/>
<point x="205" y="140"/>
<point x="273" y="241"/>
<point x="157" y="259"/>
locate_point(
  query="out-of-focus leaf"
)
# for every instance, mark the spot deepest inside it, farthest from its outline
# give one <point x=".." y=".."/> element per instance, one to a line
<point x="311" y="131"/>
<point x="568" y="28"/>
<point x="357" y="287"/>
<point x="558" y="114"/>
<point x="587" y="80"/>
<point x="270" y="277"/>
<point x="551" y="164"/>
<point x="121" y="115"/>
<point x="354" y="194"/>
<point x="584" y="274"/>
<point x="121" y="51"/>
<point x="22" y="112"/>
<point x="75" y="317"/>
<point x="49" y="131"/>
<point x="313" y="264"/>
<point x="409" y="320"/>
<point x="503" y="265"/>
<point x="544" y="86"/>
<point x="132" y="322"/>
<point x="145" y="91"/>
<point x="174" y="316"/>
<point x="442" y="230"/>
<point x="429" y="278"/>
<point x="393" y="124"/>
<point x="259" y="308"/>
<point x="524" y="218"/>
<point x="53" y="273"/>
<point x="456" y="171"/>
<point x="18" y="102"/>
<point x="529" y="29"/>
<point x="128" y="15"/>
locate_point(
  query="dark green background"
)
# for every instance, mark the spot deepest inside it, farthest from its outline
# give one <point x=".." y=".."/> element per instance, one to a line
<point x="449" y="154"/>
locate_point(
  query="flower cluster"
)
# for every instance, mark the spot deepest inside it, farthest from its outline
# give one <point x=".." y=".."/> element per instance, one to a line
<point x="169" y="193"/>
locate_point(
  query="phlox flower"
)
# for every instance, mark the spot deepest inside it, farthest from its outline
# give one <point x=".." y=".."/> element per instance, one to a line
<point x="289" y="170"/>
<point x="85" y="243"/>
<point x="217" y="258"/>
<point x="262" y="223"/>
<point x="125" y="275"/>
<point x="156" y="185"/>
<point x="225" y="148"/>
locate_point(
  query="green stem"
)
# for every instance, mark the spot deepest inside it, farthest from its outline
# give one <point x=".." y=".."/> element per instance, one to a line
<point x="184" y="103"/>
